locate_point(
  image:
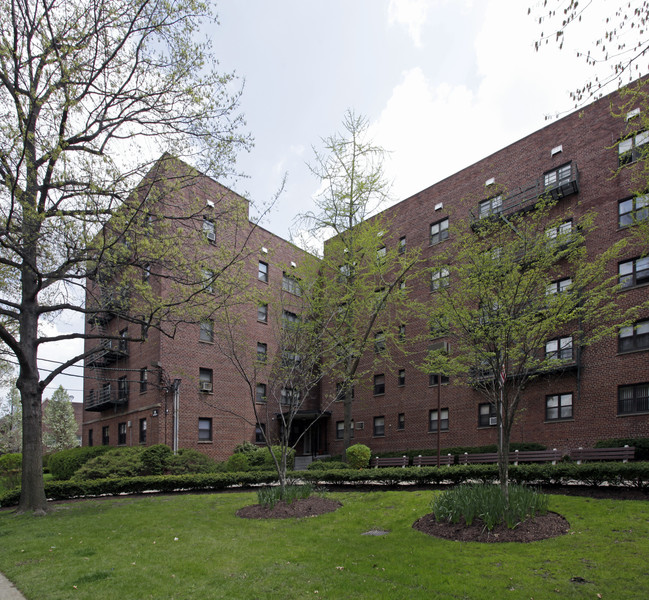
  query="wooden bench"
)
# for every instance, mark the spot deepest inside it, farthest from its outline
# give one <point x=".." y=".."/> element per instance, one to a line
<point x="431" y="461"/>
<point x="515" y="457"/>
<point x="484" y="457"/>
<point x="528" y="456"/>
<point x="624" y="454"/>
<point x="398" y="461"/>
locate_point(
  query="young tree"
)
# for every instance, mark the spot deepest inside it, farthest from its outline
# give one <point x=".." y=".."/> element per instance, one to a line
<point x="362" y="273"/>
<point x="519" y="298"/>
<point x="282" y="377"/>
<point x="60" y="425"/>
<point x="90" y="91"/>
<point x="11" y="429"/>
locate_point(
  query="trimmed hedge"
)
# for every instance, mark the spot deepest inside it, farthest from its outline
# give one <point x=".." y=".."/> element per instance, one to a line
<point x="634" y="474"/>
<point x="63" y="464"/>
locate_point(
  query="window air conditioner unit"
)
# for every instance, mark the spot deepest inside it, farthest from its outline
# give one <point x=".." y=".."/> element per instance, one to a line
<point x="493" y="420"/>
<point x="206" y="386"/>
<point x="360" y="425"/>
<point x="210" y="204"/>
<point x="211" y="236"/>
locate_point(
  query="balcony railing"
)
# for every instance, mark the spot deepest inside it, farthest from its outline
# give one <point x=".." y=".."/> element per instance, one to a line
<point x="108" y="352"/>
<point x="104" y="399"/>
<point x="564" y="183"/>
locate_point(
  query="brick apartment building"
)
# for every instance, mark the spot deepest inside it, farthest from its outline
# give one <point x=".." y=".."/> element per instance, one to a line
<point x="129" y="395"/>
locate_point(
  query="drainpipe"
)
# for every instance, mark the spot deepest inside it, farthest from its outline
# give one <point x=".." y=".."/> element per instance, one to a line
<point x="176" y="389"/>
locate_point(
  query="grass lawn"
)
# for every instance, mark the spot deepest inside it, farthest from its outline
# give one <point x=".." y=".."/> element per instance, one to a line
<point x="194" y="547"/>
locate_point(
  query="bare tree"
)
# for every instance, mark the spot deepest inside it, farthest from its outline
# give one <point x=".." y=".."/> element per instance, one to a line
<point x="90" y="92"/>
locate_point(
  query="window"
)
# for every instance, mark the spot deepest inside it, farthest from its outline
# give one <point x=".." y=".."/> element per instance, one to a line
<point x="262" y="271"/>
<point x="633" y="399"/>
<point x="634" y="337"/>
<point x="379" y="426"/>
<point x="204" y="429"/>
<point x="146" y="272"/>
<point x="439" y="279"/>
<point x="634" y="272"/>
<point x="209" y="229"/>
<point x="122" y="389"/>
<point x="558" y="407"/>
<point x="291" y="285"/>
<point x="631" y="149"/>
<point x="260" y="393"/>
<point x="401" y="421"/>
<point x="121" y="434"/>
<point x="290" y="358"/>
<point x="340" y="429"/>
<point x="433" y="379"/>
<point x="491" y="206"/>
<point x="262" y="352"/>
<point x="144" y="377"/>
<point x="557" y="177"/>
<point x="433" y="420"/>
<point x="559" y="349"/>
<point x="142" y="431"/>
<point x="380" y="254"/>
<point x="205" y="380"/>
<point x="487" y="416"/>
<point x="402" y="333"/>
<point x="262" y="313"/>
<point x="401" y="378"/>
<point x="290" y="318"/>
<point x="208" y="280"/>
<point x="379" y="384"/>
<point x="260" y="433"/>
<point x="402" y="245"/>
<point x="560" y="232"/>
<point x="632" y="210"/>
<point x="105" y="437"/>
<point x="559" y="286"/>
<point x="289" y="396"/>
<point x="379" y="342"/>
<point x="122" y="344"/>
<point x="207" y="331"/>
<point x="340" y="392"/>
<point x="438" y="231"/>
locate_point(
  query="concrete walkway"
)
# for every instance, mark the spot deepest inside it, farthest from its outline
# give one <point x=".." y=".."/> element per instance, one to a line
<point x="8" y="591"/>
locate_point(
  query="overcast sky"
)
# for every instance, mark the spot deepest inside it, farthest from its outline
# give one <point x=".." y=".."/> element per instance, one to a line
<point x="443" y="83"/>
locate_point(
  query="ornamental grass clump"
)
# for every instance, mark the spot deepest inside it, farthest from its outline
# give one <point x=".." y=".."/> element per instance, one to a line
<point x="487" y="503"/>
<point x="270" y="496"/>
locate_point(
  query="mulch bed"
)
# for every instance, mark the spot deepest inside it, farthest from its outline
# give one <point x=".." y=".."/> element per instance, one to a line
<point x="307" y="507"/>
<point x="540" y="527"/>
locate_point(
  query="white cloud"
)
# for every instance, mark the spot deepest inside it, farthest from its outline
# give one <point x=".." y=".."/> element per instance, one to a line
<point x="411" y="14"/>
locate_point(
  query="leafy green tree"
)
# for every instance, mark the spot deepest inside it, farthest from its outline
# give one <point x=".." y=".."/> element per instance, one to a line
<point x="362" y="294"/>
<point x="520" y="298"/>
<point x="60" y="425"/>
<point x="11" y="428"/>
<point x="91" y="91"/>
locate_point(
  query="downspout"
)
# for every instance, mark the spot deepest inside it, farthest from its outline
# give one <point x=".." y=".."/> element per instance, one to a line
<point x="176" y="389"/>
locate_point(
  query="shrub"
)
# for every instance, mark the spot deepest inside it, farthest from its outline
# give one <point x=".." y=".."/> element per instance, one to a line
<point x="358" y="456"/>
<point x="238" y="463"/>
<point x="116" y="462"/>
<point x="245" y="448"/>
<point x="10" y="463"/>
<point x="63" y="464"/>
<point x="190" y="461"/>
<point x="271" y="495"/>
<point x="154" y="459"/>
<point x="263" y="461"/>
<point x="487" y="503"/>
<point x="321" y="465"/>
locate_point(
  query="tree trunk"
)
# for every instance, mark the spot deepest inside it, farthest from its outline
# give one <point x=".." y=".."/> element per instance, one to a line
<point x="347" y="415"/>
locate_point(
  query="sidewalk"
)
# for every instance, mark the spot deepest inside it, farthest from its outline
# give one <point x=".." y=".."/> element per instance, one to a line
<point x="8" y="591"/>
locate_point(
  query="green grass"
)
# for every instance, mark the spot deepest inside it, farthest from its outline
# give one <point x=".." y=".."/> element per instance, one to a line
<point x="193" y="547"/>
